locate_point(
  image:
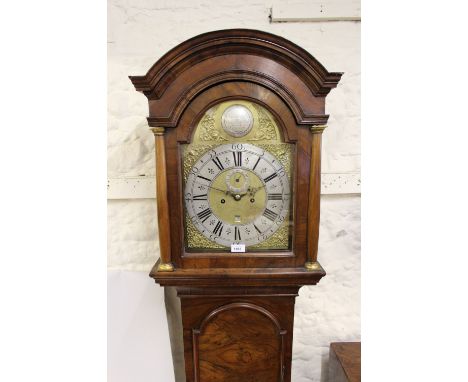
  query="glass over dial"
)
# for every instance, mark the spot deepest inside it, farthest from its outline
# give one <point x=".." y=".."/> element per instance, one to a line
<point x="237" y="193"/>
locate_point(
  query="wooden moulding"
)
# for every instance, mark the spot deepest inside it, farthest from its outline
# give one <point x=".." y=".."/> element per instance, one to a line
<point x="248" y="277"/>
<point x="236" y="55"/>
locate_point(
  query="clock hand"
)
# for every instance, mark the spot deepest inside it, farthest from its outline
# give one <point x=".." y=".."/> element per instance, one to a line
<point x="235" y="195"/>
<point x="253" y="191"/>
<point x="214" y="188"/>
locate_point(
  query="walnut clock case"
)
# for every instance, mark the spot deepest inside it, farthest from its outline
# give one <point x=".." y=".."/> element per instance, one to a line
<point x="237" y="117"/>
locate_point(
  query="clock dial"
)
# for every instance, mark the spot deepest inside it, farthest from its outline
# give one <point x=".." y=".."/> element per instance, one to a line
<point x="237" y="193"/>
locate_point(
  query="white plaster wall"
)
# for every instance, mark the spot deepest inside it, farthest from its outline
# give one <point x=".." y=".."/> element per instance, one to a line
<point x="138" y="337"/>
<point x="330" y="311"/>
<point x="140" y="32"/>
<point x="132" y="234"/>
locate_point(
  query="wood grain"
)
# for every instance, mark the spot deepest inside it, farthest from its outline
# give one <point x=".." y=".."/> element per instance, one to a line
<point x="299" y="136"/>
<point x="345" y="362"/>
<point x="219" y="277"/>
<point x="314" y="198"/>
<point x="238" y="334"/>
<point x="228" y="347"/>
<point x="162" y="199"/>
<point x="238" y="309"/>
<point x="250" y="65"/>
<point x="236" y="55"/>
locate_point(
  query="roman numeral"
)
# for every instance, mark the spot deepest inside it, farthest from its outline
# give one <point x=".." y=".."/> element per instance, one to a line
<point x="272" y="176"/>
<point x="275" y="196"/>
<point x="218" y="164"/>
<point x="256" y="163"/>
<point x="258" y="230"/>
<point x="199" y="176"/>
<point x="270" y="214"/>
<point x="237" y="234"/>
<point x="205" y="214"/>
<point x="218" y="228"/>
<point x="237" y="158"/>
<point x="200" y="197"/>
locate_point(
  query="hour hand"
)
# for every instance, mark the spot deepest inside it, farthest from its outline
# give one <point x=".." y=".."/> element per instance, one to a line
<point x="253" y="190"/>
<point x="218" y="189"/>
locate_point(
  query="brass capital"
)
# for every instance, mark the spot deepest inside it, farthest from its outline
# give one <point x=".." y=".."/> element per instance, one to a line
<point x="318" y="129"/>
<point x="165" y="267"/>
<point x="158" y="130"/>
<point x="313" y="266"/>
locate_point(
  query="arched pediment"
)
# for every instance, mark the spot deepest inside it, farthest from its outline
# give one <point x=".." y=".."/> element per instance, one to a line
<point x="236" y="55"/>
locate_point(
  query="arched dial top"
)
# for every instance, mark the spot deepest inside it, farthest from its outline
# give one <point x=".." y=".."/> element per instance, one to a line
<point x="237" y="193"/>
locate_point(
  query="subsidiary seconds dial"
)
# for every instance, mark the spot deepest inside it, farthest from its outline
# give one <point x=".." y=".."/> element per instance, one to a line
<point x="237" y="193"/>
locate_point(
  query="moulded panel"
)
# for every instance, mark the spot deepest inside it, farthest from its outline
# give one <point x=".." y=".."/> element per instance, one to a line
<point x="239" y="343"/>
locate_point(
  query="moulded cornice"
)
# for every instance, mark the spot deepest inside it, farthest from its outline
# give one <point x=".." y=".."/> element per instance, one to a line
<point x="172" y="119"/>
<point x="241" y="43"/>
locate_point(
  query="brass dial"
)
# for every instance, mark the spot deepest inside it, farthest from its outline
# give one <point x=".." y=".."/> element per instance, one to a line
<point x="237" y="193"/>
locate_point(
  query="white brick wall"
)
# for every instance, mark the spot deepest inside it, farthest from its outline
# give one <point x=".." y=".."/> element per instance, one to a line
<point x="140" y="32"/>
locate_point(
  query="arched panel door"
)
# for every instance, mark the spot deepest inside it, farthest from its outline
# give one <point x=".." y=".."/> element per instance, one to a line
<point x="239" y="342"/>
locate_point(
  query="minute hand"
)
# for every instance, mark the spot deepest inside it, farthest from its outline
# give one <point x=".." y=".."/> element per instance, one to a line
<point x="253" y="191"/>
<point x="214" y="188"/>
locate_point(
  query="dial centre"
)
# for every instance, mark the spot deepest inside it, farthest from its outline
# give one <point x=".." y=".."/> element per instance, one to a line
<point x="237" y="181"/>
<point x="237" y="207"/>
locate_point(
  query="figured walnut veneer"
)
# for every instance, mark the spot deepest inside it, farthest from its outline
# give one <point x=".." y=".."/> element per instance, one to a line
<point x="238" y="334"/>
<point x="227" y="346"/>
<point x="238" y="309"/>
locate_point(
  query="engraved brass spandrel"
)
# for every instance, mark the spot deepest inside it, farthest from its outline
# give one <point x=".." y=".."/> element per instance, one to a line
<point x="266" y="129"/>
<point x="283" y="152"/>
<point x="191" y="154"/>
<point x="207" y="130"/>
<point x="195" y="239"/>
<point x="279" y="240"/>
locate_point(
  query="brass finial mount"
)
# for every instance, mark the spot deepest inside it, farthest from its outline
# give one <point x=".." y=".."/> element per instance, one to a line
<point x="165" y="267"/>
<point x="158" y="130"/>
<point x="313" y="266"/>
<point x="318" y="129"/>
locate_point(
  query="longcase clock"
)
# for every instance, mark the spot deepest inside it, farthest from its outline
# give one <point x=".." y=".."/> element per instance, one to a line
<point x="237" y="117"/>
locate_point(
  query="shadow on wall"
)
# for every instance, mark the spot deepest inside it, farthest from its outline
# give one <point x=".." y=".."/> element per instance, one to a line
<point x="325" y="363"/>
<point x="174" y="322"/>
<point x="138" y="343"/>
